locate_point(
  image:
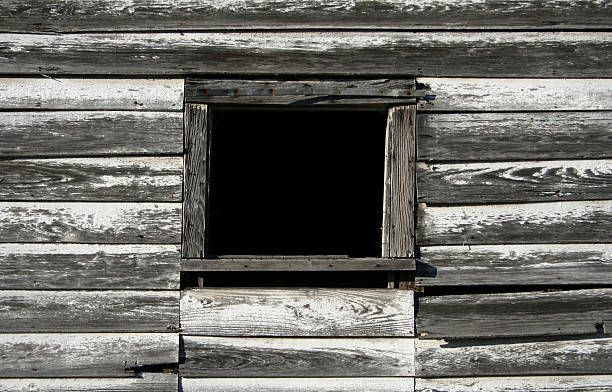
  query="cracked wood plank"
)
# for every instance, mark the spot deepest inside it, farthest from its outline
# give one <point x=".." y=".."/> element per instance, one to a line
<point x="144" y="382"/>
<point x="295" y="357"/>
<point x="157" y="223"/>
<point x="298" y="263"/>
<point x="89" y="311"/>
<point x="468" y="54"/>
<point x="84" y="354"/>
<point x="297" y="312"/>
<point x="599" y="383"/>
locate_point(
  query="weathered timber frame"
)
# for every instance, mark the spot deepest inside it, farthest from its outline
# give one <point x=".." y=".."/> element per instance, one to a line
<point x="398" y="97"/>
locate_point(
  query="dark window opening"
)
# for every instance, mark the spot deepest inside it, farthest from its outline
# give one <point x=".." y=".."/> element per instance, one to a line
<point x="296" y="183"/>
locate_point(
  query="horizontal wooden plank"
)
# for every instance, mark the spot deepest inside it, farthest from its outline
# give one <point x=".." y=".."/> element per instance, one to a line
<point x="52" y="134"/>
<point x="305" y="357"/>
<point x="500" y="182"/>
<point x="84" y="354"/>
<point x="481" y="265"/>
<point x="89" y="311"/>
<point x="297" y="312"/>
<point x="91" y="94"/>
<point x="512" y="384"/>
<point x="571" y="312"/>
<point x="345" y="384"/>
<point x="308" y="263"/>
<point x="558" y="222"/>
<point x="144" y="382"/>
<point x="508" y="136"/>
<point x="157" y="223"/>
<point x="437" y="358"/>
<point x="469" y="54"/>
<point x="85" y="266"/>
<point x="459" y="94"/>
<point x="109" y="15"/>
<point x="93" y="179"/>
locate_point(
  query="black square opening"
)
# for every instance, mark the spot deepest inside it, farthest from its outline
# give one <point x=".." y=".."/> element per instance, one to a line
<point x="286" y="182"/>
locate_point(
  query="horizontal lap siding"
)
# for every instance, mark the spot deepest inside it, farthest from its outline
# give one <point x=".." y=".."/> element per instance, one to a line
<point x="513" y="384"/>
<point x="147" y="382"/>
<point x="328" y="384"/>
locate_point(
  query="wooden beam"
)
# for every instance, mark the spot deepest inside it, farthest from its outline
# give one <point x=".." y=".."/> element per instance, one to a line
<point x="512" y="384"/>
<point x="145" y="382"/>
<point x="305" y="263"/>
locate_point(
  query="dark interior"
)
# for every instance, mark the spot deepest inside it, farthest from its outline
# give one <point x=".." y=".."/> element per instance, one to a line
<point x="286" y="182"/>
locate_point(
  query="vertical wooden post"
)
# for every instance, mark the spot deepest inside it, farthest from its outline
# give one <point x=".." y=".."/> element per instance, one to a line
<point x="195" y="182"/>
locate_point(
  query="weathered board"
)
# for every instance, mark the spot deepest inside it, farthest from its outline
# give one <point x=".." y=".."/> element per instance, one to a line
<point x="437" y="358"/>
<point x="508" y="136"/>
<point x="89" y="311"/>
<point x="346" y="384"/>
<point x="156" y="223"/>
<point x="500" y="182"/>
<point x="297" y="312"/>
<point x="463" y="94"/>
<point x="91" y="94"/>
<point x="513" y="384"/>
<point x="469" y="54"/>
<point x="305" y="263"/>
<point x="305" y="357"/>
<point x="84" y="354"/>
<point x="109" y="15"/>
<point x="481" y="265"/>
<point x="144" y="382"/>
<point x="52" y="134"/>
<point x="557" y="222"/>
<point x="571" y="312"/>
<point x="85" y="266"/>
<point x="93" y="179"/>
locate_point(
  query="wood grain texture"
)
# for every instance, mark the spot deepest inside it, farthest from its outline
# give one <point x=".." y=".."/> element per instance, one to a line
<point x="109" y="15"/>
<point x="85" y="266"/>
<point x="499" y="182"/>
<point x="91" y="94"/>
<point x="468" y="54"/>
<point x="89" y="311"/>
<point x="437" y="358"/>
<point x="573" y="312"/>
<point x="568" y="264"/>
<point x="195" y="191"/>
<point x="53" y="134"/>
<point x="93" y="179"/>
<point x="286" y="357"/>
<point x="156" y="223"/>
<point x="400" y="183"/>
<point x="507" y="136"/>
<point x="297" y="312"/>
<point x="462" y="94"/>
<point x="305" y="263"/>
<point x="513" y="384"/>
<point x="84" y="354"/>
<point x="144" y="382"/>
<point x="387" y="384"/>
<point x="557" y="222"/>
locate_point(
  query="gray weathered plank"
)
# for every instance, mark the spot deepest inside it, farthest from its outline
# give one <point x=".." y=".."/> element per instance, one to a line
<point x="477" y="265"/>
<point x="157" y="223"/>
<point x="297" y="312"/>
<point x="85" y="266"/>
<point x="500" y="182"/>
<point x="507" y="136"/>
<point x="458" y="94"/>
<point x="512" y="384"/>
<point x="400" y="183"/>
<point x="93" y="179"/>
<point x="571" y="312"/>
<point x="89" y="311"/>
<point x="306" y="263"/>
<point x="437" y="358"/>
<point x="144" y="382"/>
<point x="195" y="191"/>
<point x="345" y="384"/>
<point x="469" y="54"/>
<point x="94" y="94"/>
<point x="52" y="134"/>
<point x="84" y="354"/>
<point x="557" y="222"/>
<point x="109" y="15"/>
<point x="287" y="357"/>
